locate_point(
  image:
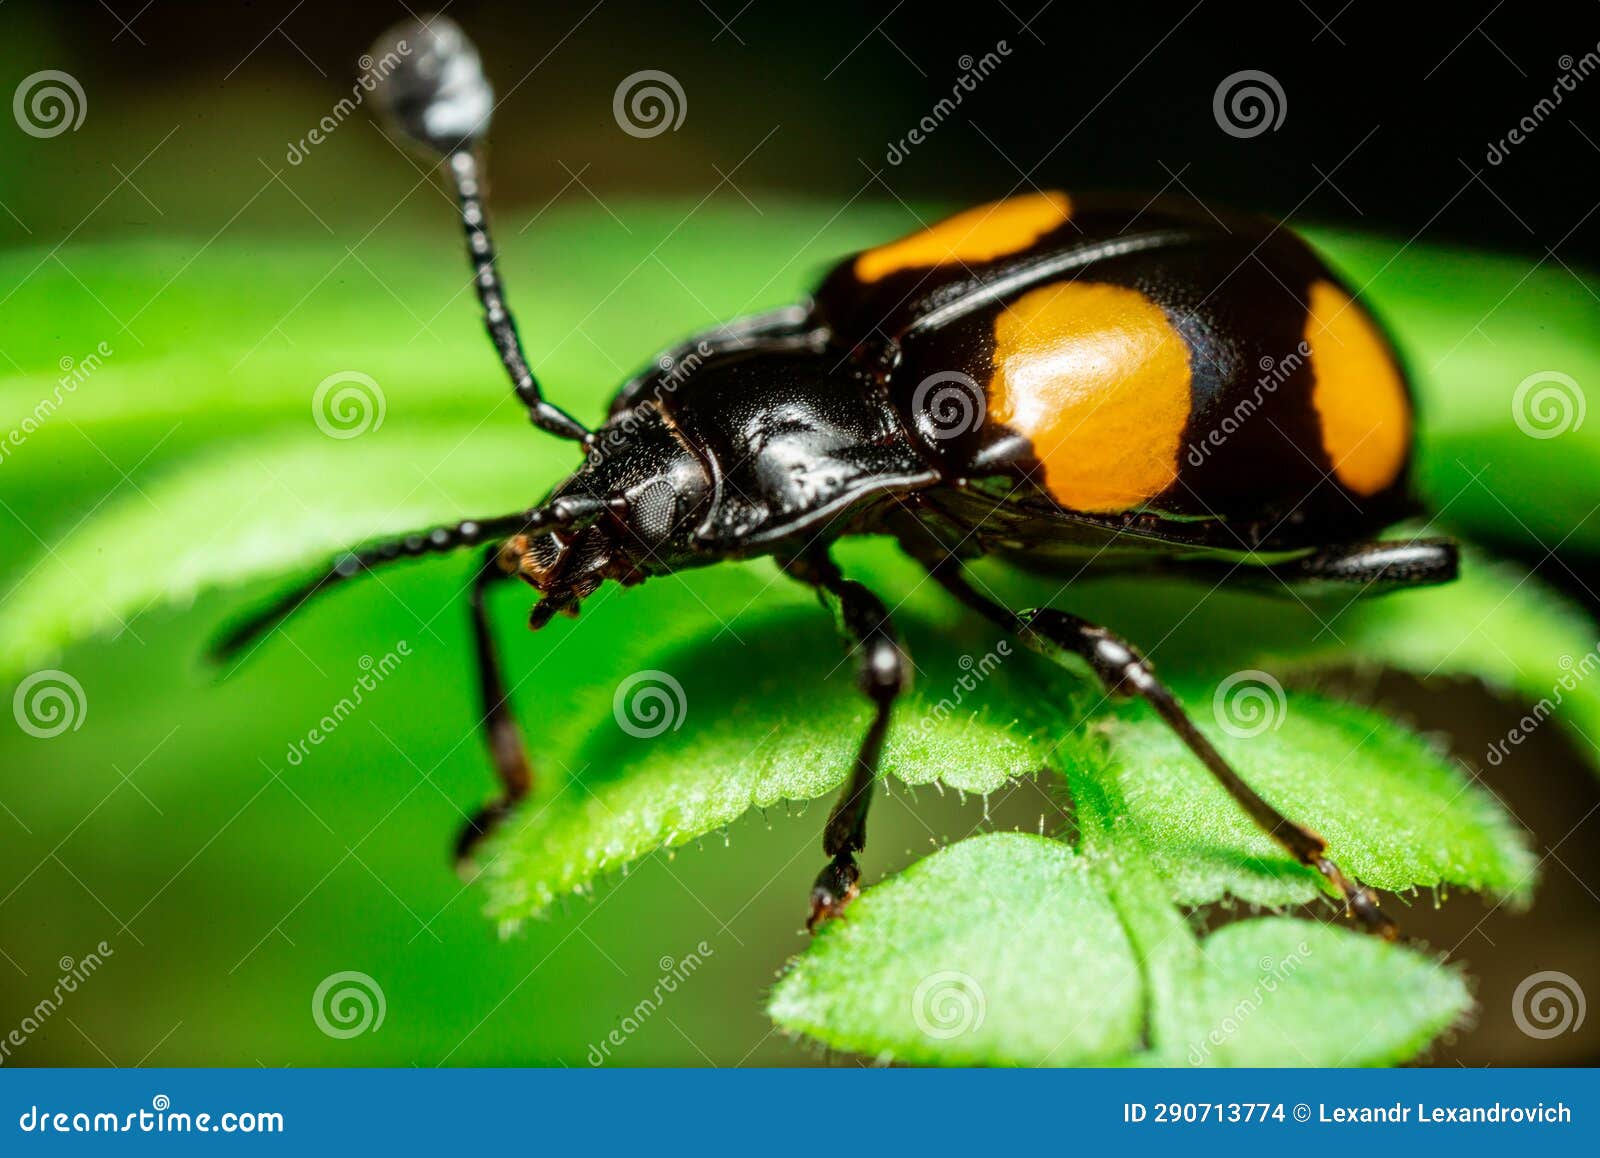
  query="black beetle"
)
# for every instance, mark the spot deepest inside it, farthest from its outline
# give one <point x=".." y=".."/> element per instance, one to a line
<point x="1066" y="382"/>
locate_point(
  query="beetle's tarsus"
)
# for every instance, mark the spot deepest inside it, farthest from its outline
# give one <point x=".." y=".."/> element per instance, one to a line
<point x="474" y="832"/>
<point x="836" y="886"/>
<point x="1360" y="901"/>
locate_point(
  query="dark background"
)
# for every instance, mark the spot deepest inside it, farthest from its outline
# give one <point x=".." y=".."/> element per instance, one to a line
<point x="1391" y="108"/>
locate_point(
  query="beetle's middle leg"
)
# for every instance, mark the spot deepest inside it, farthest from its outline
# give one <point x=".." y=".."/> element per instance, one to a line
<point x="1123" y="671"/>
<point x="883" y="672"/>
<point x="500" y="732"/>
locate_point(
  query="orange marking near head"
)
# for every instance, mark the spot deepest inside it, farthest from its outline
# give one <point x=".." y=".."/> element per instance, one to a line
<point x="1097" y="379"/>
<point x="1358" y="392"/>
<point x="989" y="231"/>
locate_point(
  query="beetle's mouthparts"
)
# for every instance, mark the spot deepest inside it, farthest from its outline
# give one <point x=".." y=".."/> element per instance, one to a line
<point x="431" y="83"/>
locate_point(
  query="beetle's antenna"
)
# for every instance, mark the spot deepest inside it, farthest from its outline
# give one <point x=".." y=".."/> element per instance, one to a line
<point x="564" y="512"/>
<point x="438" y="96"/>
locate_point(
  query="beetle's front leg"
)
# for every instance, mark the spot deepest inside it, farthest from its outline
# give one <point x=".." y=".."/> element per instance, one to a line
<point x="500" y="732"/>
<point x="883" y="672"/>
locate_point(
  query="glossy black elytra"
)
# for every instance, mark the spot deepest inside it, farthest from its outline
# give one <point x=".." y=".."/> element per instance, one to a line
<point x="1061" y="381"/>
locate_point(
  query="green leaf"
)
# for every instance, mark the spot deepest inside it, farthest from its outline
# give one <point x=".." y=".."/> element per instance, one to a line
<point x="1338" y="997"/>
<point x="1498" y="624"/>
<point x="1276" y="991"/>
<point x="746" y="733"/>
<point x="271" y="506"/>
<point x="1395" y="812"/>
<point x="1008" y="950"/>
<point x="1001" y="949"/>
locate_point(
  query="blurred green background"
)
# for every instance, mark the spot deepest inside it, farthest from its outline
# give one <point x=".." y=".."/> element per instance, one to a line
<point x="228" y="282"/>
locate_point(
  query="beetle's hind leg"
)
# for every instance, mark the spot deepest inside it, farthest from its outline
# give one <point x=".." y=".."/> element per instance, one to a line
<point x="1124" y="672"/>
<point x="1365" y="569"/>
<point x="883" y="672"/>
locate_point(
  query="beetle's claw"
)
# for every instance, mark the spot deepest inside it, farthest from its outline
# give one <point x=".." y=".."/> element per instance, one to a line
<point x="1360" y="901"/>
<point x="478" y="826"/>
<point x="835" y="888"/>
<point x="1363" y="904"/>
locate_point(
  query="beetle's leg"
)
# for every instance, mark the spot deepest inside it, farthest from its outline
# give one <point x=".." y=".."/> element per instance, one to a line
<point x="438" y="540"/>
<point x="438" y="96"/>
<point x="500" y="730"/>
<point x="1373" y="568"/>
<point x="1123" y="671"/>
<point x="883" y="672"/>
<point x="1383" y="565"/>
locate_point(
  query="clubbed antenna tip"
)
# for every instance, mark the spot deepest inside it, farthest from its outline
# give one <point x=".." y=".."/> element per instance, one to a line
<point x="437" y="95"/>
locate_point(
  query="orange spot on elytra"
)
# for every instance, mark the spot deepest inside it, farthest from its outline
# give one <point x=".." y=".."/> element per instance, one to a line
<point x="981" y="234"/>
<point x="1097" y="378"/>
<point x="1358" y="392"/>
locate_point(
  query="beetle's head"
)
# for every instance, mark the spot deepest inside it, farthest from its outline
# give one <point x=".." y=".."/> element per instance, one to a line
<point x="644" y="492"/>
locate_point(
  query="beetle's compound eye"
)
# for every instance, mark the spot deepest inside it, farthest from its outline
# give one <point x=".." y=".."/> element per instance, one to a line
<point x="431" y="83"/>
<point x="653" y="510"/>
